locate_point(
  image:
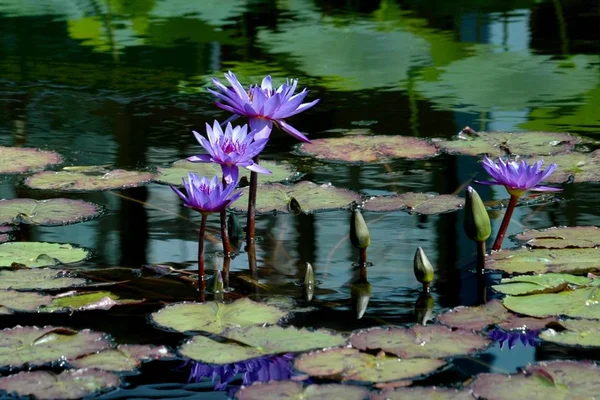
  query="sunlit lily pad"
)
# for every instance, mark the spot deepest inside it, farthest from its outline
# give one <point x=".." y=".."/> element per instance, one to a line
<point x="505" y="143"/>
<point x="37" y="279"/>
<point x="40" y="254"/>
<point x="420" y="203"/>
<point x="86" y="301"/>
<point x="351" y="364"/>
<point x="368" y="149"/>
<point x="71" y="384"/>
<point x="433" y="341"/>
<point x="288" y="390"/>
<point x="430" y="393"/>
<point x="36" y="346"/>
<point x="11" y="300"/>
<point x="123" y="358"/>
<point x="578" y="332"/>
<point x="14" y="160"/>
<point x="563" y="237"/>
<point x="581" y="167"/>
<point x="78" y="181"/>
<point x="475" y="318"/>
<point x="258" y="341"/>
<point x="215" y="317"/>
<point x="178" y="170"/>
<point x="542" y="283"/>
<point x="310" y="197"/>
<point x="579" y="303"/>
<point x="543" y="381"/>
<point x="523" y="261"/>
<point x="47" y="212"/>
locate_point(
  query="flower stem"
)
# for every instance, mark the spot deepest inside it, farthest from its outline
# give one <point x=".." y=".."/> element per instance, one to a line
<point x="362" y="258"/>
<point x="225" y="234"/>
<point x="251" y="224"/>
<point x="201" y="282"/>
<point x="480" y="268"/>
<point x="507" y="216"/>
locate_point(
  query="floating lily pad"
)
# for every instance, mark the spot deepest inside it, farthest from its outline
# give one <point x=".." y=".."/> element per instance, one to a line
<point x="40" y="254"/>
<point x="563" y="237"/>
<point x="505" y="143"/>
<point x="282" y="390"/>
<point x="14" y="160"/>
<point x="350" y="364"/>
<point x="11" y="300"/>
<point x="6" y="233"/>
<point x="581" y="167"/>
<point x="36" y="346"/>
<point x="533" y="324"/>
<point x="579" y="303"/>
<point x="37" y="279"/>
<point x="475" y="318"/>
<point x="47" y="212"/>
<point x="368" y="149"/>
<point x="430" y="393"/>
<point x="543" y="381"/>
<point x="215" y="317"/>
<point x="78" y="181"/>
<point x="86" y="302"/>
<point x="72" y="384"/>
<point x="419" y="341"/>
<point x="258" y="341"/>
<point x="542" y="283"/>
<point x="420" y="203"/>
<point x="523" y="261"/>
<point x="123" y="358"/>
<point x="310" y="196"/>
<point x="578" y="332"/>
<point x="173" y="175"/>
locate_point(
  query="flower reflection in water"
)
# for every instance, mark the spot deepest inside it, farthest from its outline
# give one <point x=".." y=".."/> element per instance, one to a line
<point x="510" y="338"/>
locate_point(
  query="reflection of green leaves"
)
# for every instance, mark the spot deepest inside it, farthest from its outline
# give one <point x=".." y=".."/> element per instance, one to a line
<point x="523" y="261"/>
<point x="475" y="318"/>
<point x="579" y="303"/>
<point x="88" y="181"/>
<point x="561" y="237"/>
<point x="46" y="212"/>
<point x="14" y="160"/>
<point x="578" y="332"/>
<point x="43" y="278"/>
<point x="419" y="203"/>
<point x="542" y="283"/>
<point x="288" y="390"/>
<point x="40" y="254"/>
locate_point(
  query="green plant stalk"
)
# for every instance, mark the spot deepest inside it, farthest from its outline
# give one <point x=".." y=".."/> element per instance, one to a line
<point x="251" y="224"/>
<point x="201" y="282"/>
<point x="504" y="226"/>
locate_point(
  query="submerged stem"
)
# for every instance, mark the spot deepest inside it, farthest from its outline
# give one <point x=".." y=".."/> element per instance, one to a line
<point x="507" y="216"/>
<point x="201" y="282"/>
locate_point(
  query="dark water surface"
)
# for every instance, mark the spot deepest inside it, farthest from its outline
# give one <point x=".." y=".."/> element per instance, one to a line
<point x="123" y="83"/>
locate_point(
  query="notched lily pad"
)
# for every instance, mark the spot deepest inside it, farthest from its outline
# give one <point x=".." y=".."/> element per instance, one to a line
<point x="578" y="332"/>
<point x="71" y="384"/>
<point x="580" y="167"/>
<point x="505" y="143"/>
<point x="309" y="195"/>
<point x="47" y="212"/>
<point x="88" y="301"/>
<point x="521" y="323"/>
<point x="123" y="358"/>
<point x="541" y="283"/>
<point x="15" y="160"/>
<point x="544" y="380"/>
<point x="433" y="341"/>
<point x="579" y="303"/>
<point x="38" y="279"/>
<point x="281" y="172"/>
<point x="289" y="390"/>
<point x="215" y="317"/>
<point x="431" y="393"/>
<point x="560" y="238"/>
<point x="419" y="203"/>
<point x="524" y="261"/>
<point x="11" y="301"/>
<point x="475" y="318"/>
<point x="352" y="365"/>
<point x="88" y="180"/>
<point x="368" y="149"/>
<point x="40" y="254"/>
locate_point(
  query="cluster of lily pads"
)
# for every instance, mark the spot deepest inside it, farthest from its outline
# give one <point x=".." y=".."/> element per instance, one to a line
<point x="551" y="285"/>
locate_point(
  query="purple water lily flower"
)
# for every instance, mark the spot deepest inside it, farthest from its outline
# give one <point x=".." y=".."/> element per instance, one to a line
<point x="526" y="336"/>
<point x="518" y="177"/>
<point x="233" y="148"/>
<point x="206" y="196"/>
<point x="262" y="104"/>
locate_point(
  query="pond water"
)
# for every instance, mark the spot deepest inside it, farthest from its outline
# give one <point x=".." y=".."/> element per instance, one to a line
<point x="123" y="83"/>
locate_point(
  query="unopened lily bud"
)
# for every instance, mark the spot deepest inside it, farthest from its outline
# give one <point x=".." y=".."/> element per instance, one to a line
<point x="359" y="232"/>
<point x="309" y="282"/>
<point x="422" y="267"/>
<point x="477" y="221"/>
<point x="217" y="283"/>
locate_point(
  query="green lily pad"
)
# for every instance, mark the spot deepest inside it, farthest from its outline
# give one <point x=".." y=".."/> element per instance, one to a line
<point x="22" y="346"/>
<point x="121" y="359"/>
<point x="350" y="364"/>
<point x="11" y="300"/>
<point x="71" y="384"/>
<point x="310" y="196"/>
<point x="281" y="172"/>
<point x="498" y="144"/>
<point x="215" y="317"/>
<point x="40" y="254"/>
<point x="581" y="167"/>
<point x="369" y="149"/>
<point x="430" y="393"/>
<point x="37" y="279"/>
<point x="15" y="160"/>
<point x="579" y="303"/>
<point x="534" y="324"/>
<point x="433" y="341"/>
<point x="542" y="283"/>
<point x="94" y="180"/>
<point x="258" y="341"/>
<point x="276" y="390"/>
<point x="540" y="261"/>
<point x="578" y="332"/>
<point x="543" y="381"/>
<point x="560" y="238"/>
<point x="74" y="301"/>
<point x="475" y="318"/>
<point x="419" y="203"/>
<point x="47" y="212"/>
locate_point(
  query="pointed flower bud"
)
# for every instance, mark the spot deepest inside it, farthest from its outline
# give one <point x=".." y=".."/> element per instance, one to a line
<point x="422" y="267"/>
<point x="359" y="232"/>
<point x="477" y="221"/>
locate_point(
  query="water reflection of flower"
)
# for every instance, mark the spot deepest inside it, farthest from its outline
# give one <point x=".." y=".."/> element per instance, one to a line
<point x="261" y="369"/>
<point x="526" y="336"/>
